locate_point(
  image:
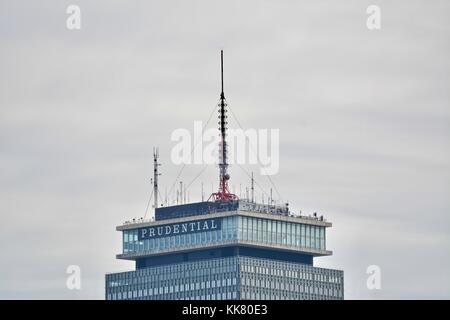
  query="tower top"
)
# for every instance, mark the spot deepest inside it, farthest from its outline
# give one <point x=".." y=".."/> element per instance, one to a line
<point x="222" y="95"/>
<point x="223" y="193"/>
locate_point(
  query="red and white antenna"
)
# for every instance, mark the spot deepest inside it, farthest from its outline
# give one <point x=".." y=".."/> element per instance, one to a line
<point x="223" y="194"/>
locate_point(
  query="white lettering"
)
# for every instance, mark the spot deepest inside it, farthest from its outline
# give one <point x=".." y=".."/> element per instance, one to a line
<point x="74" y="280"/>
<point x="73" y="22"/>
<point x="374" y="20"/>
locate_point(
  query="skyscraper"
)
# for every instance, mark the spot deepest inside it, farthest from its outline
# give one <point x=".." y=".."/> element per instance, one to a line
<point x="224" y="248"/>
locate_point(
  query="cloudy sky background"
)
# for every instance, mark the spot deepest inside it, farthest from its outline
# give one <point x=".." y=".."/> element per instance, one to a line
<point x="363" y="118"/>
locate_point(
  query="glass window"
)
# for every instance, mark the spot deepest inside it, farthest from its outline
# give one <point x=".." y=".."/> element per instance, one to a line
<point x="278" y="232"/>
<point x="303" y="236"/>
<point x="318" y="237"/>
<point x="273" y="233"/>
<point x="219" y="235"/>
<point x="322" y="238"/>
<point x="245" y="228"/>
<point x="264" y="231"/>
<point x="290" y="229"/>
<point x="259" y="230"/>
<point x="239" y="227"/>
<point x="284" y="232"/>
<point x="308" y="236"/>
<point x="125" y="241"/>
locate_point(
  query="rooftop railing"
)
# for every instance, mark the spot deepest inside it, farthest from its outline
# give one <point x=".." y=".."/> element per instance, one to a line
<point x="202" y="208"/>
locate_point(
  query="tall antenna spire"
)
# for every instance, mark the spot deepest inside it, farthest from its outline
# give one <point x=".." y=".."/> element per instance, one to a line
<point x="222" y="94"/>
<point x="155" y="176"/>
<point x="223" y="194"/>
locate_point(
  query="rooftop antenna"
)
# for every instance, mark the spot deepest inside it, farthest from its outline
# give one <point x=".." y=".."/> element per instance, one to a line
<point x="155" y="175"/>
<point x="223" y="194"/>
<point x="253" y="189"/>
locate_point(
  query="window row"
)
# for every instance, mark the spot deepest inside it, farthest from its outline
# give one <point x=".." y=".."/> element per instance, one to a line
<point x="264" y="231"/>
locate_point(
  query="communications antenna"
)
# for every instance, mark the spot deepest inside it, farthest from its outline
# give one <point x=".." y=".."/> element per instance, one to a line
<point x="223" y="194"/>
<point x="156" y="174"/>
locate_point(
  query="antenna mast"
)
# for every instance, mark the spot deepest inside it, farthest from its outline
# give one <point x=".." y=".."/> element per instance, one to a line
<point x="253" y="189"/>
<point x="155" y="175"/>
<point x="223" y="194"/>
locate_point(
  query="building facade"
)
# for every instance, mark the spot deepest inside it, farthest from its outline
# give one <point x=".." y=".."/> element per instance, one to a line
<point x="225" y="250"/>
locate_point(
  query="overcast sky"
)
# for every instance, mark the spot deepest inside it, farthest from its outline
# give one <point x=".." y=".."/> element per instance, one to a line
<point x="363" y="116"/>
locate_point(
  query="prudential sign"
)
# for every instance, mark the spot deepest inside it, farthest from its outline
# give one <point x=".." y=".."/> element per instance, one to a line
<point x="174" y="229"/>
